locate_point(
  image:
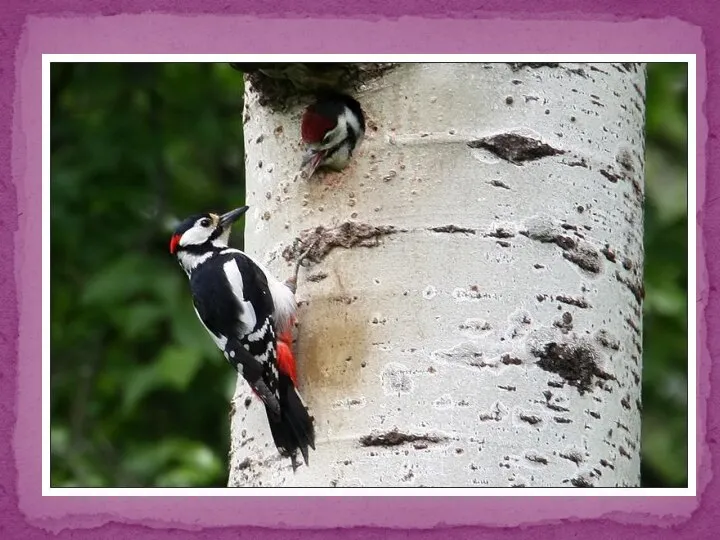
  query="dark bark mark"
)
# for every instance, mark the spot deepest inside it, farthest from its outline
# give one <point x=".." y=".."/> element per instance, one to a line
<point x="507" y="387"/>
<point x="565" y="323"/>
<point x="639" y="91"/>
<point x="510" y="360"/>
<point x="609" y="253"/>
<point x="577" y="302"/>
<point x="502" y="243"/>
<point x="396" y="438"/>
<point x="624" y="452"/>
<point x="244" y="464"/>
<point x="500" y="233"/>
<point x="516" y="66"/>
<point x="579" y="163"/>
<point x="622" y="426"/>
<point x="515" y="148"/>
<point x="584" y="256"/>
<point x="322" y="241"/>
<point x="594" y="68"/>
<point x="634" y="286"/>
<point x="530" y="419"/>
<point x="624" y="158"/>
<point x="581" y="482"/>
<point x="314" y="278"/>
<point x="484" y="325"/>
<point x="607" y="341"/>
<point x="578" y="71"/>
<point x="625" y="402"/>
<point x="547" y="394"/>
<point x="607" y="464"/>
<point x="611" y="176"/>
<point x="536" y="459"/>
<point x="595" y="414"/>
<point x="498" y="183"/>
<point x="452" y="229"/>
<point x="574" y="362"/>
<point x="562" y="420"/>
<point x="553" y="406"/>
<point x="573" y="456"/>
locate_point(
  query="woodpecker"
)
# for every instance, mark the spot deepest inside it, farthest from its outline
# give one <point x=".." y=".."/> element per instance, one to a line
<point x="249" y="315"/>
<point x="331" y="128"/>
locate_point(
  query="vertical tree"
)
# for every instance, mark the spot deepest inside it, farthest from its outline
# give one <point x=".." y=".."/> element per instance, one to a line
<point x="472" y="314"/>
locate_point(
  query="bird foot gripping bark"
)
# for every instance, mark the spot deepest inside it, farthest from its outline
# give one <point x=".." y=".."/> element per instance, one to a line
<point x="291" y="282"/>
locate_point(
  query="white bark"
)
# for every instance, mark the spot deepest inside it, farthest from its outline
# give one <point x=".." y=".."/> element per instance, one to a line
<point x="427" y="359"/>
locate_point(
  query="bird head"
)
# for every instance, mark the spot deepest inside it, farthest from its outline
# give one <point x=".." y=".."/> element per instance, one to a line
<point x="331" y="128"/>
<point x="203" y="232"/>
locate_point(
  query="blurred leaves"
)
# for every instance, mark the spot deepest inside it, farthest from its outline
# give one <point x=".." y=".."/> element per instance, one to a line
<point x="665" y="361"/>
<point x="139" y="392"/>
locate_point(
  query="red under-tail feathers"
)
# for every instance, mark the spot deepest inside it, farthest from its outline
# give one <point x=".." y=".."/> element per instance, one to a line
<point x="285" y="356"/>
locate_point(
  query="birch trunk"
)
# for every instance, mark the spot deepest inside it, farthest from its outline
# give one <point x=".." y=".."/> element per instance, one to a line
<point x="484" y="327"/>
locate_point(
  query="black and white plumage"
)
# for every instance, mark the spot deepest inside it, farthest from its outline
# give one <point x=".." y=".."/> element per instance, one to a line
<point x="244" y="309"/>
<point x="331" y="129"/>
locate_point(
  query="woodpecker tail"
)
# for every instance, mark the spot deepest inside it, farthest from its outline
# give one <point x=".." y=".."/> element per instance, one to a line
<point x="294" y="429"/>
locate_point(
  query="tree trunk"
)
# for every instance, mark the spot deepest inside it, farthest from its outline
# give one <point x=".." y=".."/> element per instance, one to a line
<point x="474" y="315"/>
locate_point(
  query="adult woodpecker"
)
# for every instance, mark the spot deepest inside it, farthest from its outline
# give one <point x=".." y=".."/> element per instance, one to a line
<point x="249" y="315"/>
<point x="331" y="128"/>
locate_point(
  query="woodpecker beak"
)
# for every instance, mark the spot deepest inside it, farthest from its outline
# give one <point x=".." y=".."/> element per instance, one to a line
<point x="311" y="161"/>
<point x="226" y="220"/>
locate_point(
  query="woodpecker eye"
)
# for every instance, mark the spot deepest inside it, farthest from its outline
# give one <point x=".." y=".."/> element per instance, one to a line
<point x="205" y="222"/>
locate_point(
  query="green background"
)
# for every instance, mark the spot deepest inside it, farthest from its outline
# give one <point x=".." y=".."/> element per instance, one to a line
<point x="139" y="393"/>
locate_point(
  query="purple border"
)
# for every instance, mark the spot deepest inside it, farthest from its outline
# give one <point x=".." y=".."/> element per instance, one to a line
<point x="594" y="29"/>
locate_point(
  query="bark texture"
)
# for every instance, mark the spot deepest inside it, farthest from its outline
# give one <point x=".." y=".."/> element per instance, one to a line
<point x="472" y="315"/>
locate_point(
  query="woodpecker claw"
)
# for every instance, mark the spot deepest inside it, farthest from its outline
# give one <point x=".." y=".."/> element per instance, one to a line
<point x="291" y="282"/>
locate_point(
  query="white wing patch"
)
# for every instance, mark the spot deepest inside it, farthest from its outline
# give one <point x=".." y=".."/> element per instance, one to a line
<point x="283" y="297"/>
<point x="248" y="319"/>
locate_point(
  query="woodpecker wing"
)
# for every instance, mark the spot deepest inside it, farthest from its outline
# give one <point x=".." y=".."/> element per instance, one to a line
<point x="238" y="303"/>
<point x="233" y="300"/>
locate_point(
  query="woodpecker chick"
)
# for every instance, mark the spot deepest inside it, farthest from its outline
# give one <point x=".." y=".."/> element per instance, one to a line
<point x="331" y="128"/>
<point x="249" y="315"/>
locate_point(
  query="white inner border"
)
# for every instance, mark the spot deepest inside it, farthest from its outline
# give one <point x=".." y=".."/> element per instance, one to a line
<point x="690" y="491"/>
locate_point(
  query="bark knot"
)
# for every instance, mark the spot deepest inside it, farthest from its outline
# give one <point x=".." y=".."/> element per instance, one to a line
<point x="515" y="148"/>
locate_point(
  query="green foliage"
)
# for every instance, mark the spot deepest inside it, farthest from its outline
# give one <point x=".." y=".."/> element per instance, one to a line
<point x="665" y="360"/>
<point x="137" y="386"/>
